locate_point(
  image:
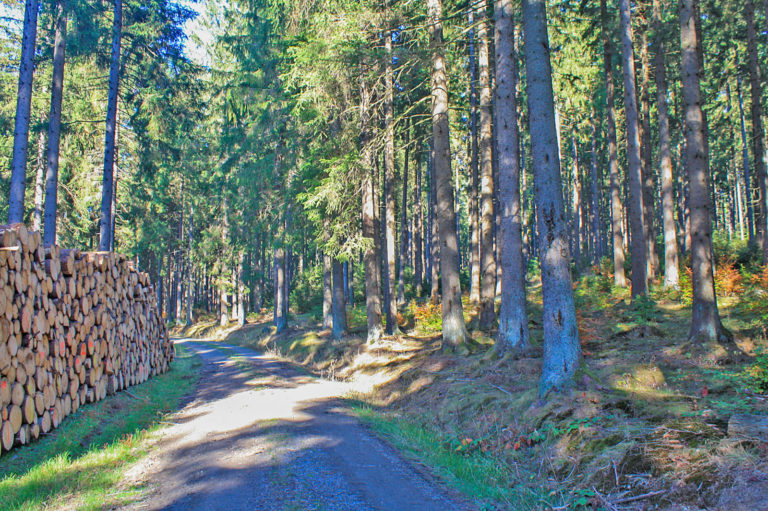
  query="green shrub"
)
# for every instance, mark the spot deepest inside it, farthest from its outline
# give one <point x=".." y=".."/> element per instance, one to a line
<point x="756" y="375"/>
<point x="307" y="292"/>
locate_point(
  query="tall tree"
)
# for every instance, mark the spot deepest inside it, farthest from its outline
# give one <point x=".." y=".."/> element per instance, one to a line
<point x="339" y="303"/>
<point x="474" y="221"/>
<point x="705" y="321"/>
<point x="106" y="234"/>
<point x="745" y="162"/>
<point x="23" y="106"/>
<point x="327" y="292"/>
<point x="54" y="126"/>
<point x="487" y="218"/>
<point x="757" y="126"/>
<point x="617" y="210"/>
<point x="671" y="264"/>
<point x="562" y="350"/>
<point x="513" y="318"/>
<point x="454" y="328"/>
<point x="390" y="304"/>
<point x="634" y="171"/>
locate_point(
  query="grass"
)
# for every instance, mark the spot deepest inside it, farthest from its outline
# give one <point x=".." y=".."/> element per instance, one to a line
<point x="80" y="464"/>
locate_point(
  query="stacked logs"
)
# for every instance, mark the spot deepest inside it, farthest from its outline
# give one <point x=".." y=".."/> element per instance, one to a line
<point x="74" y="327"/>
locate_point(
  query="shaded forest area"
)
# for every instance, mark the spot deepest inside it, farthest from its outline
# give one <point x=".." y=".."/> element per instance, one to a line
<point x="565" y="201"/>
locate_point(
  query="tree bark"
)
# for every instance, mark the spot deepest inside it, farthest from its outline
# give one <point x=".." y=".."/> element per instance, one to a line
<point x="562" y="351"/>
<point x="747" y="177"/>
<point x="454" y="329"/>
<point x="617" y="209"/>
<point x="649" y="185"/>
<point x="339" y="303"/>
<point x="638" y="245"/>
<point x="474" y="221"/>
<point x="757" y="126"/>
<point x="418" y="233"/>
<point x="597" y="242"/>
<point x="434" y="242"/>
<point x="671" y="263"/>
<point x="404" y="220"/>
<point x="37" y="217"/>
<point x="513" y="318"/>
<point x="106" y="234"/>
<point x="327" y="292"/>
<point x="371" y="255"/>
<point x="23" y="107"/>
<point x="54" y="126"/>
<point x="705" y="324"/>
<point x="487" y="313"/>
<point x="390" y="305"/>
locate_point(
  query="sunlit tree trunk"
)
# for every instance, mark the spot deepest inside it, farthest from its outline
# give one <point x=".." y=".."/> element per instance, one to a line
<point x="339" y="303"/>
<point x="105" y="237"/>
<point x="454" y="329"/>
<point x="617" y="209"/>
<point x="418" y="233"/>
<point x="54" y="126"/>
<point x="390" y="304"/>
<point x="638" y="245"/>
<point x="562" y="351"/>
<point x="761" y="230"/>
<point x="487" y="313"/>
<point x="474" y="221"/>
<point x="404" y="219"/>
<point x="705" y="324"/>
<point x="37" y="216"/>
<point x="327" y="292"/>
<point x="594" y="172"/>
<point x="23" y="106"/>
<point x="513" y="318"/>
<point x="747" y="177"/>
<point x="671" y="264"/>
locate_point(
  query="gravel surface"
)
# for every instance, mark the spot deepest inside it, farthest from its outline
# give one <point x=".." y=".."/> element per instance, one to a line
<point x="260" y="434"/>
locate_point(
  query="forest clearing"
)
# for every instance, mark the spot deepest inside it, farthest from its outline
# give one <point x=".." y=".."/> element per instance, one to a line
<point x="383" y="254"/>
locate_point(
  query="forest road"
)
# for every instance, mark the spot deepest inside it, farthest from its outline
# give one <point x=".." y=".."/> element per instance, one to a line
<point x="260" y="434"/>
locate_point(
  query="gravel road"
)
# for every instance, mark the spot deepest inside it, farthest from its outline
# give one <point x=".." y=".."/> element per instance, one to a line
<point x="260" y="434"/>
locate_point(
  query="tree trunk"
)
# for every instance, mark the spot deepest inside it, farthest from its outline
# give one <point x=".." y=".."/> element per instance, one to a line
<point x="671" y="264"/>
<point x="105" y="237"/>
<point x="434" y="243"/>
<point x="652" y="262"/>
<point x="404" y="220"/>
<point x="705" y="324"/>
<point x="327" y="292"/>
<point x="339" y="304"/>
<point x="474" y="221"/>
<point x="37" y="218"/>
<point x="371" y="254"/>
<point x="597" y="242"/>
<point x="418" y="233"/>
<point x="562" y="351"/>
<point x="576" y="205"/>
<point x="757" y="126"/>
<point x="747" y="178"/>
<point x="54" y="127"/>
<point x="23" y="106"/>
<point x="390" y="306"/>
<point x="638" y="245"/>
<point x="240" y="290"/>
<point x="487" y="313"/>
<point x="454" y="329"/>
<point x="513" y="318"/>
<point x="617" y="209"/>
<point x="280" y="320"/>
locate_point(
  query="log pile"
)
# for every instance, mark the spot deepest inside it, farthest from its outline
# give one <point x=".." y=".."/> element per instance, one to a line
<point x="74" y="327"/>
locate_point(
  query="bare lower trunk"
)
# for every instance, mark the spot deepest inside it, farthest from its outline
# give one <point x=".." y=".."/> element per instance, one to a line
<point x="597" y="242"/>
<point x="37" y="217"/>
<point x="454" y="329"/>
<point x="474" y="221"/>
<point x="671" y="264"/>
<point x="327" y="292"/>
<point x="638" y="245"/>
<point x="648" y="178"/>
<point x="487" y="255"/>
<point x="106" y="234"/>
<point x="54" y="127"/>
<point x="617" y="209"/>
<point x="705" y="324"/>
<point x="280" y="319"/>
<point x="339" y="303"/>
<point x="747" y="177"/>
<point x="23" y="106"/>
<point x="513" y="318"/>
<point x="390" y="306"/>
<point x="562" y="351"/>
<point x="418" y="234"/>
<point x="404" y="221"/>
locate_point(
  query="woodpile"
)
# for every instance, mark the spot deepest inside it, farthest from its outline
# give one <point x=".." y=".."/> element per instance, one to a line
<point x="74" y="327"/>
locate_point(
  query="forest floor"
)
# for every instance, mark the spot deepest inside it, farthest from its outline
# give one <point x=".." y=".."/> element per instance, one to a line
<point x="263" y="434"/>
<point x="645" y="428"/>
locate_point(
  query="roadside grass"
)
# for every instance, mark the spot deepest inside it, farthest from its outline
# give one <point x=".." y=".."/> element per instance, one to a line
<point x="79" y="465"/>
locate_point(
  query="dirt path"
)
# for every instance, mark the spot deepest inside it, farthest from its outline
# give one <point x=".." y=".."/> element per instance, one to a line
<point x="261" y="435"/>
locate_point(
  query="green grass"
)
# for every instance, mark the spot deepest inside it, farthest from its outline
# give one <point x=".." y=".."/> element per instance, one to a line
<point x="80" y="464"/>
<point x="478" y="475"/>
